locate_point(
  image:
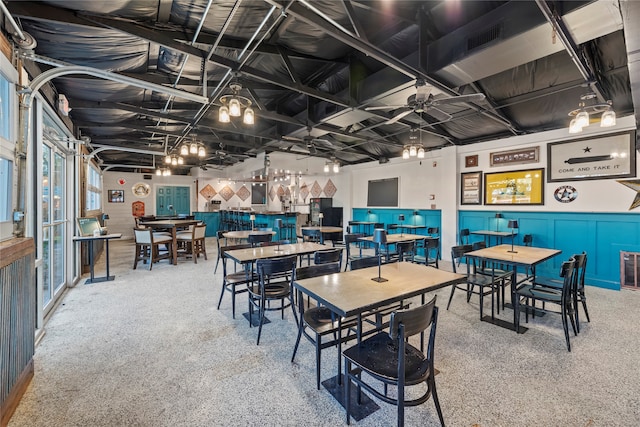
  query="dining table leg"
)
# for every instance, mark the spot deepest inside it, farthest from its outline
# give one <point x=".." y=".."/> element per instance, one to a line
<point x="174" y="245"/>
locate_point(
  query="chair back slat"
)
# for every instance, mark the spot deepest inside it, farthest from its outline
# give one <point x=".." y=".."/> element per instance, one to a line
<point x="415" y="320"/>
<point x="327" y="256"/>
<point x="364" y="262"/>
<point x="272" y="266"/>
<point x="317" y="270"/>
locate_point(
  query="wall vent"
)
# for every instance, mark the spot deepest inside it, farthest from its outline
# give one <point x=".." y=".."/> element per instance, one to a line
<point x="487" y="36"/>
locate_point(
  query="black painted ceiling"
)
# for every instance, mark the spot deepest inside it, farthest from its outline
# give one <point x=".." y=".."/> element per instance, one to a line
<point x="313" y="69"/>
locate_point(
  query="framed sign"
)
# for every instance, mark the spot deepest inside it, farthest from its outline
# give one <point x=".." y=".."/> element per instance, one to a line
<point x="470" y="188"/>
<point x="521" y="187"/>
<point x="603" y="157"/>
<point x="515" y="157"/>
<point x="115" y="196"/>
<point x="471" y="161"/>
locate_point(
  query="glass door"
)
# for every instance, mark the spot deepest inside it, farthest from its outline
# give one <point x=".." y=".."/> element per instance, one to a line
<point x="53" y="222"/>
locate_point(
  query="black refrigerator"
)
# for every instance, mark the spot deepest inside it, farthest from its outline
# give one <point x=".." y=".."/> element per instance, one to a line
<point x="332" y="216"/>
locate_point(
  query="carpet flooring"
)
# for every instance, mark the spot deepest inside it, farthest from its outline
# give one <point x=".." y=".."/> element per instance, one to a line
<point x="151" y="349"/>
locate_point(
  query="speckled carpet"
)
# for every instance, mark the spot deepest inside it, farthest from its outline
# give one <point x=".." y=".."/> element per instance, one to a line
<point x="151" y="349"/>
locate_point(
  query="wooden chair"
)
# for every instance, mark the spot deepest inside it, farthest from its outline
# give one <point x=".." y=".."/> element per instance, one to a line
<point x="147" y="247"/>
<point x="431" y="255"/>
<point x="194" y="241"/>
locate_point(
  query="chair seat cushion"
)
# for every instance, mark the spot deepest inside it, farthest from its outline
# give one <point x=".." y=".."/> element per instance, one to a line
<point x="378" y="356"/>
<point x="162" y="239"/>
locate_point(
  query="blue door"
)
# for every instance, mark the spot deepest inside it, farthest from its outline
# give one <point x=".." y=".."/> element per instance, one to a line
<point x="172" y="201"/>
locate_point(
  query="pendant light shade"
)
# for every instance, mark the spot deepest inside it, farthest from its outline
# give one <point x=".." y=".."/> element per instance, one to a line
<point x="201" y="152"/>
<point x="405" y="153"/>
<point x="180" y="160"/>
<point x="167" y="159"/>
<point x="249" y="116"/>
<point x="336" y="167"/>
<point x="223" y="114"/>
<point x="234" y="107"/>
<point x="421" y="153"/>
<point x="582" y="119"/>
<point x="326" y="168"/>
<point x="184" y="150"/>
<point x="413" y="151"/>
<point x="608" y="119"/>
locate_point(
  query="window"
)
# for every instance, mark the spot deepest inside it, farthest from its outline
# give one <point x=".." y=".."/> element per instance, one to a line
<point x="6" y="181"/>
<point x="5" y="108"/>
<point x="94" y="189"/>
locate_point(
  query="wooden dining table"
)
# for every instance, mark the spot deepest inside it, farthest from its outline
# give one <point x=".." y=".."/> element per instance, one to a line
<point x="526" y="257"/>
<point x="353" y="293"/>
<point x="244" y="234"/>
<point x="250" y="255"/>
<point x="170" y="225"/>
<point x="499" y="235"/>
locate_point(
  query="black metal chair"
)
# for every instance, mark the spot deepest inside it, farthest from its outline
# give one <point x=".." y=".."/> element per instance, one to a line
<point x="433" y="231"/>
<point x="464" y="236"/>
<point x="365" y="262"/>
<point x="488" y="284"/>
<point x="319" y="322"/>
<point x="431" y="247"/>
<point x="257" y="239"/>
<point x="491" y="268"/>
<point x="275" y="283"/>
<point x="219" y="239"/>
<point x="328" y="256"/>
<point x="578" y="294"/>
<point x="231" y="281"/>
<point x="351" y="243"/>
<point x="562" y="298"/>
<point x="405" y="251"/>
<point x="389" y="358"/>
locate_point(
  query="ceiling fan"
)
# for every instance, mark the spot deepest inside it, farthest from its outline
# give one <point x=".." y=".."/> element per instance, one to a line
<point x="311" y="144"/>
<point x="423" y="101"/>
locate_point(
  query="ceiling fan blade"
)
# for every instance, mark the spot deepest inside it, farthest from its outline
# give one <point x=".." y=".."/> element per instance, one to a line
<point x="473" y="97"/>
<point x="386" y="107"/>
<point x="438" y="114"/>
<point x="291" y="138"/>
<point x="398" y="117"/>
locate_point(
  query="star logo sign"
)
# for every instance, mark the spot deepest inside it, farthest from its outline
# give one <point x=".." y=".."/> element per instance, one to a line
<point x="587" y="149"/>
<point x="633" y="184"/>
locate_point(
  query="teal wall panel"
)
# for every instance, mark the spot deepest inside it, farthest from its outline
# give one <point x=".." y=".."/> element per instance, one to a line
<point x="601" y="235"/>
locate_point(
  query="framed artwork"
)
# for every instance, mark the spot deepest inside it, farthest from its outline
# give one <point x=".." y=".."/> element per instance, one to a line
<point x="115" y="196"/>
<point x="470" y="188"/>
<point x="471" y="161"/>
<point x="515" y="157"/>
<point x="141" y="189"/>
<point x="521" y="187"/>
<point x="603" y="157"/>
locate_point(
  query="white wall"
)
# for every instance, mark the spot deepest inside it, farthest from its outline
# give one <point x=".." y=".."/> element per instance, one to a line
<point x="121" y="218"/>
<point x="235" y="177"/>
<point x="600" y="195"/>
